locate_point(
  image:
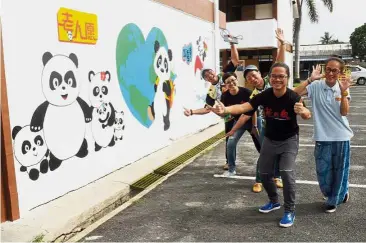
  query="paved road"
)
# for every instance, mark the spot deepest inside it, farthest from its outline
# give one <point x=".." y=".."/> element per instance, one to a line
<point x="193" y="205"/>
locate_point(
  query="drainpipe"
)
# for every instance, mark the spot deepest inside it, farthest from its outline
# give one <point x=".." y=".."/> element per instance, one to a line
<point x="217" y="35"/>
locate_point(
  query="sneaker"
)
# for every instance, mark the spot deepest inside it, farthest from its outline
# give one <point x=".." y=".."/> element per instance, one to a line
<point x="287" y="219"/>
<point x="270" y="207"/>
<point x="257" y="187"/>
<point x="226" y="166"/>
<point x="346" y="198"/>
<point x="278" y="182"/>
<point x="228" y="173"/>
<point x="330" y="208"/>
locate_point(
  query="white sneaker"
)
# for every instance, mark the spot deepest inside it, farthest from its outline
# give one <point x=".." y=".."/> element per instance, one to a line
<point x="229" y="174"/>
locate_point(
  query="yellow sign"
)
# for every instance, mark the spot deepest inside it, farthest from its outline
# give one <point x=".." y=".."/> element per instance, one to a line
<point x="77" y="27"/>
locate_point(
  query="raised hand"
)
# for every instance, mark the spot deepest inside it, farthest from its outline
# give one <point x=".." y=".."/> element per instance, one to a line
<point x="344" y="83"/>
<point x="299" y="107"/>
<point x="316" y="74"/>
<point x="280" y="36"/>
<point x="187" y="112"/>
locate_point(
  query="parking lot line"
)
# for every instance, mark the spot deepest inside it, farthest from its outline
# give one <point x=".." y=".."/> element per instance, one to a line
<point x="297" y="181"/>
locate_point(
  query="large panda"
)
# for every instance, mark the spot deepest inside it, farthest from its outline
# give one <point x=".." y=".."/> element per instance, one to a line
<point x="63" y="115"/>
<point x="30" y="151"/>
<point x="103" y="111"/>
<point x="164" y="88"/>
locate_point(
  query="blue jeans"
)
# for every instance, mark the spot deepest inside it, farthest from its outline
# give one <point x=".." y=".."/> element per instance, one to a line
<point x="231" y="147"/>
<point x="332" y="168"/>
<point x="262" y="131"/>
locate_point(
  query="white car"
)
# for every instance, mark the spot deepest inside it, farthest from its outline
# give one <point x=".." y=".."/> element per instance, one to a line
<point x="358" y="74"/>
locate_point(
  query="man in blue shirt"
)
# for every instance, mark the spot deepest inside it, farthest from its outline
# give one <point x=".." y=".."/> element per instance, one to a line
<point x="332" y="133"/>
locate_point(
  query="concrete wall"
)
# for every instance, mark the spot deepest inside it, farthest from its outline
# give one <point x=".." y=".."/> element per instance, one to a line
<point x="81" y="87"/>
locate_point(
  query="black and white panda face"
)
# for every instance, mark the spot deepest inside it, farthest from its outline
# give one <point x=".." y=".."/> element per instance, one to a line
<point x="29" y="147"/>
<point x="104" y="112"/>
<point x="200" y="47"/>
<point x="99" y="88"/>
<point x="162" y="62"/>
<point x="119" y="121"/>
<point x="59" y="79"/>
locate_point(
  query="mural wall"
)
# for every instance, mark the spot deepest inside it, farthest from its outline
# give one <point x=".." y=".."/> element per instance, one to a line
<point x="94" y="87"/>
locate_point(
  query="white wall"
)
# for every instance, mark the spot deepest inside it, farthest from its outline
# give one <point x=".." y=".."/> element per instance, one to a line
<point x="255" y="33"/>
<point x="285" y="22"/>
<point x="27" y="35"/>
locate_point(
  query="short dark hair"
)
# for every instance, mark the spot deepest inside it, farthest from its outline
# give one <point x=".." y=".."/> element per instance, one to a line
<point x="283" y="65"/>
<point x="204" y="71"/>
<point x="337" y="59"/>
<point x="228" y="75"/>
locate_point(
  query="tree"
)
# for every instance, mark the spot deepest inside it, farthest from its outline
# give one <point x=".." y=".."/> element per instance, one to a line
<point x="326" y="39"/>
<point x="358" y="42"/>
<point x="314" y="18"/>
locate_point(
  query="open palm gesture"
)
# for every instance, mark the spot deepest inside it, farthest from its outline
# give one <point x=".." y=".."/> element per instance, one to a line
<point x="316" y="74"/>
<point x="280" y="36"/>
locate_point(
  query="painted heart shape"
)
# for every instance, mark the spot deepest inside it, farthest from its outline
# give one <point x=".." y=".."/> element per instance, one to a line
<point x="135" y="69"/>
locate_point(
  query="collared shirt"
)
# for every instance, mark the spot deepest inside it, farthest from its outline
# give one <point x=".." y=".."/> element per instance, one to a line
<point x="329" y="124"/>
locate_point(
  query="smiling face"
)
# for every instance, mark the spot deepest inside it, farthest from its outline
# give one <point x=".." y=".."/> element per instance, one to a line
<point x="59" y="81"/>
<point x="278" y="78"/>
<point x="255" y="79"/>
<point x="210" y="76"/>
<point x="332" y="71"/>
<point x="231" y="83"/>
<point x="29" y="147"/>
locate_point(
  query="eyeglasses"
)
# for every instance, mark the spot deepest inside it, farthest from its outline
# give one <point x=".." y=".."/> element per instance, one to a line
<point x="335" y="71"/>
<point x="230" y="81"/>
<point x="280" y="76"/>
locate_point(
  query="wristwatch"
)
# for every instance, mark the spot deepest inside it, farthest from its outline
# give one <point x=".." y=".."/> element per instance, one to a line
<point x="345" y="93"/>
<point x="309" y="80"/>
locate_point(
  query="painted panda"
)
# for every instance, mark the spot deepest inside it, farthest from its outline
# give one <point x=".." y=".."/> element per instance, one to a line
<point x="30" y="150"/>
<point x="103" y="132"/>
<point x="103" y="110"/>
<point x="119" y="126"/>
<point x="164" y="88"/>
<point x="63" y="115"/>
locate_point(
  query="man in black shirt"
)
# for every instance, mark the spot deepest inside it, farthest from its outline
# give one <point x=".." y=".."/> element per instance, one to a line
<point x="233" y="96"/>
<point x="281" y="105"/>
<point x="217" y="88"/>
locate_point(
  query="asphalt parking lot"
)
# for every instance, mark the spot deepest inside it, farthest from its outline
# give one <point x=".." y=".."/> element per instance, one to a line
<point x="193" y="205"/>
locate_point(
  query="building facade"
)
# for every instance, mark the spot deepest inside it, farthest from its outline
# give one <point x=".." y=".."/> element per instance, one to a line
<point x="255" y="22"/>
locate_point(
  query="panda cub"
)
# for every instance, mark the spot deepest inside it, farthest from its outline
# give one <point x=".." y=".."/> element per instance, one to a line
<point x="103" y="111"/>
<point x="119" y="126"/>
<point x="30" y="151"/>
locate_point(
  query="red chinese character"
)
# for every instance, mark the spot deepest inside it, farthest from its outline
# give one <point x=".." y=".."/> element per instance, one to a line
<point x="90" y="31"/>
<point x="275" y="114"/>
<point x="67" y="22"/>
<point x="268" y="112"/>
<point x="78" y="30"/>
<point x="284" y="114"/>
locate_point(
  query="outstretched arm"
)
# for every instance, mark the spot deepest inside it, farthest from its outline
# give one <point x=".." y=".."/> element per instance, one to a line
<point x="344" y="85"/>
<point x="233" y="110"/>
<point x="86" y="109"/>
<point x="234" y="55"/>
<point x="190" y="112"/>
